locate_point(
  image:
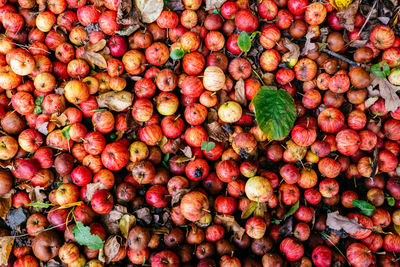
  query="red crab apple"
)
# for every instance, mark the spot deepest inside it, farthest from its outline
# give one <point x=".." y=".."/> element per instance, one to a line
<point x="258" y="189"/>
<point x="359" y="255"/>
<point x="102" y="201"/>
<point x="382" y="37"/>
<point x="156" y="196"/>
<point x="194" y="206"/>
<point x="255" y="227"/>
<point x="115" y="156"/>
<point x="165" y="258"/>
<point x="292" y="249"/>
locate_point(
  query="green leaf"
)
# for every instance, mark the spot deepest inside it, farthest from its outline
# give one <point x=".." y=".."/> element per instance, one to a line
<point x="37" y="110"/>
<point x="207" y="146"/>
<point x="254" y="34"/>
<point x="366" y="208"/>
<point x="249" y="210"/>
<point x="217" y="12"/>
<point x="65" y="132"/>
<point x="275" y="112"/>
<point x="39" y="205"/>
<point x="84" y="237"/>
<point x="276" y="221"/>
<point x="177" y="54"/>
<point x="244" y="42"/>
<point x="382" y="69"/>
<point x="39" y="100"/>
<point x="127" y="31"/>
<point x="391" y="201"/>
<point x="166" y="157"/>
<point x="292" y="210"/>
<point x="397" y="228"/>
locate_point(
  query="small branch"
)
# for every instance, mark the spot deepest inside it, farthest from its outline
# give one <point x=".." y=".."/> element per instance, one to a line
<point x="333" y="54"/>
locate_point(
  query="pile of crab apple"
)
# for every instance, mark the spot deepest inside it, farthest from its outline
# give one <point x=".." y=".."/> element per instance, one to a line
<point x="185" y="146"/>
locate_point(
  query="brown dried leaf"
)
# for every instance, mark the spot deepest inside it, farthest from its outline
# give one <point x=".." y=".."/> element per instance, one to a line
<point x="370" y="101"/>
<point x="298" y="152"/>
<point x="214" y="4"/>
<point x="182" y="159"/>
<point x="95" y="59"/>
<point x="222" y="97"/>
<point x="178" y="195"/>
<point x="215" y="131"/>
<point x="59" y="90"/>
<point x="43" y="128"/>
<point x="91" y="47"/>
<point x="127" y="13"/>
<point x="36" y="194"/>
<point x="386" y="90"/>
<point x="347" y="15"/>
<point x="126" y="223"/>
<point x="144" y="214"/>
<point x="187" y="151"/>
<point x="171" y="146"/>
<point x="99" y="3"/>
<point x="6" y="245"/>
<point x="91" y="189"/>
<point x="5" y="205"/>
<point x="101" y="257"/>
<point x="240" y="95"/>
<point x="294" y="49"/>
<point x="268" y="78"/>
<point x="149" y="9"/>
<point x="135" y="78"/>
<point x="60" y="120"/>
<point x="176" y="5"/>
<point x="111" y="248"/>
<point x="308" y="46"/>
<point x="116" y="101"/>
<point x="231" y="224"/>
<point x="212" y="115"/>
<point x="111" y="219"/>
<point x="338" y="222"/>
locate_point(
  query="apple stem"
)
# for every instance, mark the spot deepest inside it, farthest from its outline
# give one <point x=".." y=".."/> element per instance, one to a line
<point x="177" y="117"/>
<point x="208" y="211"/>
<point x="213" y="94"/>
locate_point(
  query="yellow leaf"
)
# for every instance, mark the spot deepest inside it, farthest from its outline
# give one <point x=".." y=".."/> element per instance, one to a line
<point x="183" y="159"/>
<point x="95" y="59"/>
<point x="298" y="152"/>
<point x="249" y="210"/>
<point x="340" y="4"/>
<point x="95" y="47"/>
<point x="78" y="203"/>
<point x="126" y="223"/>
<point x="6" y="244"/>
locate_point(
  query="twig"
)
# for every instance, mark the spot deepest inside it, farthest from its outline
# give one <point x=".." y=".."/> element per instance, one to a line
<point x="366" y="21"/>
<point x="333" y="54"/>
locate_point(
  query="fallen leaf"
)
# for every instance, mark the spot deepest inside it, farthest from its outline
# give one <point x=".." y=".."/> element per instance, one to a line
<point x="340" y="4"/>
<point x="222" y="97"/>
<point x="127" y="31"/>
<point x="5" y="205"/>
<point x="43" y="128"/>
<point x="95" y="59"/>
<point x="268" y="78"/>
<point x="177" y="196"/>
<point x="386" y="90"/>
<point x="149" y="9"/>
<point x="176" y="5"/>
<point x="116" y="101"/>
<point x="298" y="152"/>
<point x="187" y="151"/>
<point x="127" y="13"/>
<point x="338" y="222"/>
<point x="240" y="95"/>
<point x="249" y="210"/>
<point x="212" y="115"/>
<point x="294" y="49"/>
<point x="98" y="3"/>
<point x="358" y="43"/>
<point x="171" y="146"/>
<point x="370" y="101"/>
<point x="215" y="131"/>
<point x="182" y="159"/>
<point x="126" y="223"/>
<point x="36" y="194"/>
<point x="144" y="214"/>
<point x="91" y="189"/>
<point x="384" y="20"/>
<point x="6" y="245"/>
<point x="214" y="4"/>
<point x="95" y="47"/>
<point x="347" y="15"/>
<point x="60" y="120"/>
<point x="111" y="247"/>
<point x="231" y="224"/>
<point x="308" y="46"/>
<point x="101" y="256"/>
<point x="286" y="228"/>
<point x="111" y="219"/>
